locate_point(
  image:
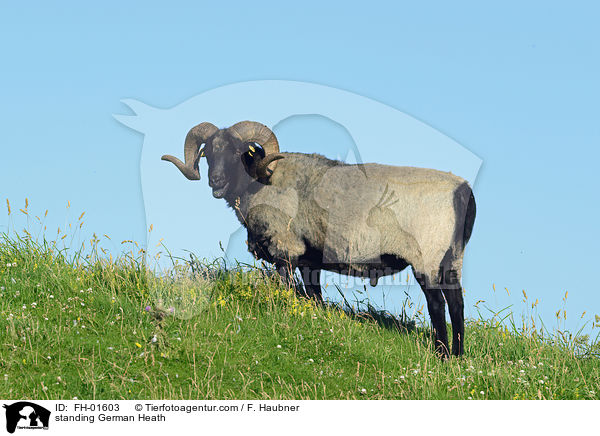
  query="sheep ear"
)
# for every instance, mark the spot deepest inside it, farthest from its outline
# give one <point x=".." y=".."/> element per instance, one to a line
<point x="249" y="162"/>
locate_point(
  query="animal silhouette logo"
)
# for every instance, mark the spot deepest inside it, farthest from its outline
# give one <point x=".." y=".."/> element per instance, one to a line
<point x="376" y="132"/>
<point x="26" y="415"/>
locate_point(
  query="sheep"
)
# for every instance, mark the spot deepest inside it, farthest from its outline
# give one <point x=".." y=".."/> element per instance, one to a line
<point x="365" y="220"/>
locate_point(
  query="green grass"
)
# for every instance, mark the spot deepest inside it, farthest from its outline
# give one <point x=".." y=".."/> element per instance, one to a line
<point x="79" y="326"/>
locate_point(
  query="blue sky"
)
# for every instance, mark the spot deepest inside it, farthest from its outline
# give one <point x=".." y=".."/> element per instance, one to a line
<point x="514" y="83"/>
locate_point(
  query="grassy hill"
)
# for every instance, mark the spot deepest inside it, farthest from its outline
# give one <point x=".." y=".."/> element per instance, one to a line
<point x="79" y="326"/>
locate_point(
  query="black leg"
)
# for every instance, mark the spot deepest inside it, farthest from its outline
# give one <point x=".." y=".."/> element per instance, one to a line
<point x="286" y="272"/>
<point x="437" y="312"/>
<point x="312" y="283"/>
<point x="436" y="306"/>
<point x="454" y="297"/>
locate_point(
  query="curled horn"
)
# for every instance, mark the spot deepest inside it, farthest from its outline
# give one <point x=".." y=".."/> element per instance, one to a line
<point x="251" y="131"/>
<point x="191" y="150"/>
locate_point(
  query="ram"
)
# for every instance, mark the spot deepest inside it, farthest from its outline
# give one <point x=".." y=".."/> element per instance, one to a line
<point x="367" y="220"/>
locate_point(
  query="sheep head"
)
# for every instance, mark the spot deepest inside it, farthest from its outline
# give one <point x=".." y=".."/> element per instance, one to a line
<point x="231" y="155"/>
